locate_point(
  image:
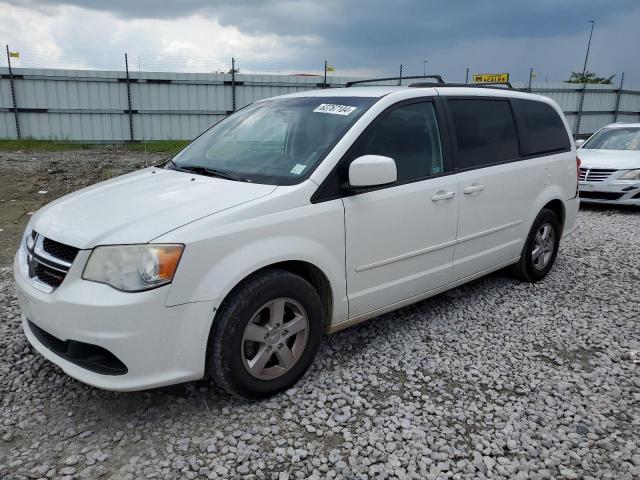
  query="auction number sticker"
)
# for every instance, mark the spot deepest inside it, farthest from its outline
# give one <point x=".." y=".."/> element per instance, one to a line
<point x="298" y="169"/>
<point x="334" y="109"/>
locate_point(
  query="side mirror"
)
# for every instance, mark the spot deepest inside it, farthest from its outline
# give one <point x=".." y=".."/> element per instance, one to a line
<point x="580" y="142"/>
<point x="372" y="171"/>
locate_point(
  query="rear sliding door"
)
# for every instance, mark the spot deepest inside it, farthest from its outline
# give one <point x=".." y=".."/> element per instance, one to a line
<point x="497" y="186"/>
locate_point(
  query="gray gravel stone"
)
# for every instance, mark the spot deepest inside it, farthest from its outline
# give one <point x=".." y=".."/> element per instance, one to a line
<point x="496" y="378"/>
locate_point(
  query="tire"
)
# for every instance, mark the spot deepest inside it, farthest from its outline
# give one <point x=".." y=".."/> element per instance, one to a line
<point x="532" y="269"/>
<point x="249" y="327"/>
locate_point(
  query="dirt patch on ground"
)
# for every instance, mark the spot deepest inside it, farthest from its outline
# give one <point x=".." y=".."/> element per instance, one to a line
<point x="30" y="180"/>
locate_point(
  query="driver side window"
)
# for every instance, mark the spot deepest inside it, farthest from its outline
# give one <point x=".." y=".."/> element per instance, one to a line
<point x="408" y="134"/>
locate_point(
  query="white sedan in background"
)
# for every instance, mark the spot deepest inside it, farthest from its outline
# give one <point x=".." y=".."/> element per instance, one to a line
<point x="610" y="168"/>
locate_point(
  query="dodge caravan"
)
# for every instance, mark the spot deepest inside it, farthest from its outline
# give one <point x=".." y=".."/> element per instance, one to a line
<point x="295" y="216"/>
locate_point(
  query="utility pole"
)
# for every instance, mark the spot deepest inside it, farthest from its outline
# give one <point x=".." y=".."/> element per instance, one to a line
<point x="400" y="78"/>
<point x="324" y="82"/>
<point x="13" y="94"/>
<point x="424" y="67"/>
<point x="584" y="79"/>
<point x="586" y="57"/>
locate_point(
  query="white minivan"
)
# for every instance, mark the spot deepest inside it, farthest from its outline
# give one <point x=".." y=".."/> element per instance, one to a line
<point x="295" y="216"/>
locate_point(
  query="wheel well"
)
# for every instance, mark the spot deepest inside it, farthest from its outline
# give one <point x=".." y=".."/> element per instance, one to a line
<point x="557" y="207"/>
<point x="311" y="274"/>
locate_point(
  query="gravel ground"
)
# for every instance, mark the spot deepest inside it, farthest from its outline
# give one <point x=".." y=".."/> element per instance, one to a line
<point x="30" y="180"/>
<point x="495" y="379"/>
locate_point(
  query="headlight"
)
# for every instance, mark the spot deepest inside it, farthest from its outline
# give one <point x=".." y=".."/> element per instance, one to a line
<point x="133" y="268"/>
<point x="631" y="175"/>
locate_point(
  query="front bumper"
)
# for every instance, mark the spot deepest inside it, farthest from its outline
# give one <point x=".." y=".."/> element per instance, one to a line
<point x="611" y="192"/>
<point x="159" y="345"/>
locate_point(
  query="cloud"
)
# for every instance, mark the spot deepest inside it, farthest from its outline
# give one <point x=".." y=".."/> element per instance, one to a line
<point x="73" y="37"/>
<point x="372" y="37"/>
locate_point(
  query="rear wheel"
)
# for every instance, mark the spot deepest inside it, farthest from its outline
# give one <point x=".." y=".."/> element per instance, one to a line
<point x="540" y="249"/>
<point x="267" y="333"/>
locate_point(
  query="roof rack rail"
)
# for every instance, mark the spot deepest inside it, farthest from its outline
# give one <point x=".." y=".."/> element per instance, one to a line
<point x="472" y="85"/>
<point x="438" y="78"/>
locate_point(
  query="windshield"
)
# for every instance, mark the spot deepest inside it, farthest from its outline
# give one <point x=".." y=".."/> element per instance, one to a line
<point x="277" y="141"/>
<point x="615" y="139"/>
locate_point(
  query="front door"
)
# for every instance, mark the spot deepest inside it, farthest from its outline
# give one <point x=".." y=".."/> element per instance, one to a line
<point x="400" y="239"/>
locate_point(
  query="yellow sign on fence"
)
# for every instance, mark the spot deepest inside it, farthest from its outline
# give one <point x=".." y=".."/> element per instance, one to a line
<point x="491" y="77"/>
<point x="14" y="54"/>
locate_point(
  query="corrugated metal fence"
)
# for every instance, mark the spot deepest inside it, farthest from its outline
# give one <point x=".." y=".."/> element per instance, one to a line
<point x="106" y="106"/>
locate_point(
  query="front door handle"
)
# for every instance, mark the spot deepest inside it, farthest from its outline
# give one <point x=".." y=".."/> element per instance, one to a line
<point x="443" y="195"/>
<point x="475" y="188"/>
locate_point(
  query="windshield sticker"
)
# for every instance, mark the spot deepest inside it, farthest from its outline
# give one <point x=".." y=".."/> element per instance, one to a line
<point x="334" y="109"/>
<point x="298" y="169"/>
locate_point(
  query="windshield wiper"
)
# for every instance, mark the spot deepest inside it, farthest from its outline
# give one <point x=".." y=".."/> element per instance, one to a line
<point x="210" y="172"/>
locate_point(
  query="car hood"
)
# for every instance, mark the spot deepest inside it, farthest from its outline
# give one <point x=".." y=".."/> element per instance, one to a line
<point x="609" y="159"/>
<point x="140" y="206"/>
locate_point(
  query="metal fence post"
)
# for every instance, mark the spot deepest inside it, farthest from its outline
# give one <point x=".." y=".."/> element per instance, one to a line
<point x="400" y="77"/>
<point x="130" y="111"/>
<point x="617" y="109"/>
<point x="530" y="79"/>
<point x="581" y="104"/>
<point x="324" y="82"/>
<point x="233" y="84"/>
<point x="466" y="78"/>
<point x="13" y="94"/>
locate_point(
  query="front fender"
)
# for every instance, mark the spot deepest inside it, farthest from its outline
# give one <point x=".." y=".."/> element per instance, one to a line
<point x="215" y="263"/>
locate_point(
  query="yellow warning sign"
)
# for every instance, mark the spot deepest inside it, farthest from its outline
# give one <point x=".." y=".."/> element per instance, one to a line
<point x="490" y="77"/>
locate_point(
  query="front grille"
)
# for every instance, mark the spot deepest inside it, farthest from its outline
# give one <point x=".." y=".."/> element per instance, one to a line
<point x="60" y="250"/>
<point x="601" y="195"/>
<point x="595" y="174"/>
<point x="49" y="275"/>
<point x="48" y="261"/>
<point x="92" y="357"/>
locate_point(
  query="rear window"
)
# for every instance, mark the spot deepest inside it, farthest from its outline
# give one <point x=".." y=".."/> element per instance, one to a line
<point x="543" y="130"/>
<point x="485" y="132"/>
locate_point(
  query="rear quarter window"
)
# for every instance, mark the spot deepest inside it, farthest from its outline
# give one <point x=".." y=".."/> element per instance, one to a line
<point x="541" y="128"/>
<point x="485" y="132"/>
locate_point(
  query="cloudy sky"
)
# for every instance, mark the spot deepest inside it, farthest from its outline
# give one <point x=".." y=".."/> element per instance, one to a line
<point x="357" y="37"/>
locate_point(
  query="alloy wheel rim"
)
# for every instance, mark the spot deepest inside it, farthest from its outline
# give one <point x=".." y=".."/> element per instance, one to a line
<point x="544" y="244"/>
<point x="274" y="339"/>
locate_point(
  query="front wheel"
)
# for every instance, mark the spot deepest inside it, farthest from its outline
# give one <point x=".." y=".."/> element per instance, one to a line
<point x="540" y="249"/>
<point x="266" y="335"/>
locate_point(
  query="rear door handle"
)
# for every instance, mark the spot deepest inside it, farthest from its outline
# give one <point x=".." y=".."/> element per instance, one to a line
<point x="473" y="189"/>
<point x="443" y="195"/>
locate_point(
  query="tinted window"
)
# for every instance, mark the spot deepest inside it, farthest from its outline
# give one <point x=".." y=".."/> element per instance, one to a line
<point x="485" y="132"/>
<point x="410" y="136"/>
<point x="543" y="130"/>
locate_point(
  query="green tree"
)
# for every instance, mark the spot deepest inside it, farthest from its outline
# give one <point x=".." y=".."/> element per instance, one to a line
<point x="589" y="77"/>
